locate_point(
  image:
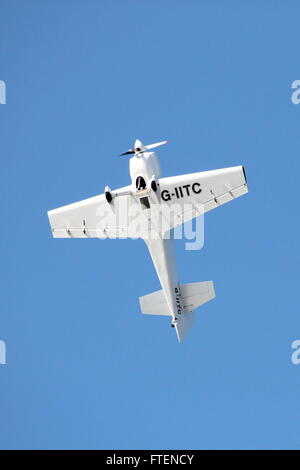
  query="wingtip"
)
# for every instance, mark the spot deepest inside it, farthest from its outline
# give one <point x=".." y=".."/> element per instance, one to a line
<point x="244" y="171"/>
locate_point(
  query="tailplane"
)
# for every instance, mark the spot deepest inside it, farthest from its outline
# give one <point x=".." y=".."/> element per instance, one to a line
<point x="195" y="294"/>
<point x="192" y="296"/>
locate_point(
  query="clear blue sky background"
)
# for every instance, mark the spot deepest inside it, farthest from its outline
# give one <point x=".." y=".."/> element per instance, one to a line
<point x="84" y="368"/>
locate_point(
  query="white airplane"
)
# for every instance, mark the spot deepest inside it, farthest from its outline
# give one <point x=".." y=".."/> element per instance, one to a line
<point x="149" y="208"/>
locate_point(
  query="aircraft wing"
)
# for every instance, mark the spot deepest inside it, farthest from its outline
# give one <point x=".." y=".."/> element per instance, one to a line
<point x="191" y="195"/>
<point x="95" y="217"/>
<point x="184" y="197"/>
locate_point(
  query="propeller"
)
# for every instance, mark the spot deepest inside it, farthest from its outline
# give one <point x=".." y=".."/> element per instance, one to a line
<point x="140" y="148"/>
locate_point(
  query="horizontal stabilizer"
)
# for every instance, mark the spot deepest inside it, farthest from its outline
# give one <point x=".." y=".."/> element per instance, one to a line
<point x="192" y="296"/>
<point x="154" y="304"/>
<point x="196" y="293"/>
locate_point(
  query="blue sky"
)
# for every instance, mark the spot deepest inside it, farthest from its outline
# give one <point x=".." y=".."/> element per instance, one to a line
<point x="84" y="368"/>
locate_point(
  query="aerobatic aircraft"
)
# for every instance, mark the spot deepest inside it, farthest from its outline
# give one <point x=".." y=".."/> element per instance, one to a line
<point x="149" y="208"/>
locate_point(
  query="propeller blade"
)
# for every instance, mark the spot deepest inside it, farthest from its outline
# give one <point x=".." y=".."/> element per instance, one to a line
<point x="129" y="152"/>
<point x="143" y="148"/>
<point x="152" y="146"/>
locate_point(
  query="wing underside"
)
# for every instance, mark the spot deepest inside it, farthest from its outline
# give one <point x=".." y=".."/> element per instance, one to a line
<point x="95" y="217"/>
<point x="188" y="196"/>
<point x="132" y="215"/>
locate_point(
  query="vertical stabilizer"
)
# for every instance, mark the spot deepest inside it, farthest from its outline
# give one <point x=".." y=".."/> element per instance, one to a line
<point x="184" y="325"/>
